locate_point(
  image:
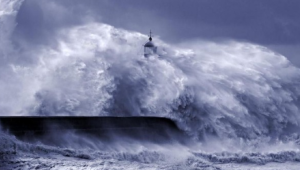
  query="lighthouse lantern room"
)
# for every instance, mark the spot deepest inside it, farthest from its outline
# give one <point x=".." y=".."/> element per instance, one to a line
<point x="149" y="47"/>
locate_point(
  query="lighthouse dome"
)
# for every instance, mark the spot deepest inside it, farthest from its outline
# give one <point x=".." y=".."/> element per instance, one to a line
<point x="149" y="44"/>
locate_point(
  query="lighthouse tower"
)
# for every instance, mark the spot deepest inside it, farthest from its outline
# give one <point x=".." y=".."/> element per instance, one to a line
<point x="149" y="47"/>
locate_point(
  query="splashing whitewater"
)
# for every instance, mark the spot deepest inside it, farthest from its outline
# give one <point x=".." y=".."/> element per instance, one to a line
<point x="229" y="90"/>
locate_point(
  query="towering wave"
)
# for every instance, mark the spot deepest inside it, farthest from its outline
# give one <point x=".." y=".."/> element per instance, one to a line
<point x="8" y="81"/>
<point x="212" y="90"/>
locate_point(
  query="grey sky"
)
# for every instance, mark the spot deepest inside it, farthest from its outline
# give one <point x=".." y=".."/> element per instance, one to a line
<point x="272" y="23"/>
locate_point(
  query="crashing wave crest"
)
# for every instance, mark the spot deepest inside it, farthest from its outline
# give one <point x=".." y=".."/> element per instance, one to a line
<point x="228" y="89"/>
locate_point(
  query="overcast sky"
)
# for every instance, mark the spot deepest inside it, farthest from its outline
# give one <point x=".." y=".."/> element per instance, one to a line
<point x="271" y="23"/>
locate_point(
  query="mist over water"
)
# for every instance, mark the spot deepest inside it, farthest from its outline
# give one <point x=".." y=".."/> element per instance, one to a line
<point x="226" y="89"/>
<point x="237" y="99"/>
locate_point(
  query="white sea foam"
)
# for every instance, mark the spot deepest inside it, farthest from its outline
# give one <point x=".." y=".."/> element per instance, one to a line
<point x="236" y="95"/>
<point x="228" y="89"/>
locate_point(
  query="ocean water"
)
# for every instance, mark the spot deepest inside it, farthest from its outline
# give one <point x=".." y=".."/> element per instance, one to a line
<point x="238" y="101"/>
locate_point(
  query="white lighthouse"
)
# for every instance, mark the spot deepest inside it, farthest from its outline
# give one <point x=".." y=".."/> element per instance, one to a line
<point x="149" y="47"/>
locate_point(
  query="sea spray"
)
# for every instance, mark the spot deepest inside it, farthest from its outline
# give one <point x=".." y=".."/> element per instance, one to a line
<point x="211" y="90"/>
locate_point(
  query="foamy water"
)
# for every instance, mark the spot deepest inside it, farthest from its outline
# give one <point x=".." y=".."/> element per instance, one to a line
<point x="239" y="100"/>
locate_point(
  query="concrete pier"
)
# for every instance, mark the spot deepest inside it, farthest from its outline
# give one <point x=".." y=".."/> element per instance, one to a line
<point x="154" y="129"/>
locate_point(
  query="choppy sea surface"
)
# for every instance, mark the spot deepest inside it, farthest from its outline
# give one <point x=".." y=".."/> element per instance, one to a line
<point x="239" y="101"/>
